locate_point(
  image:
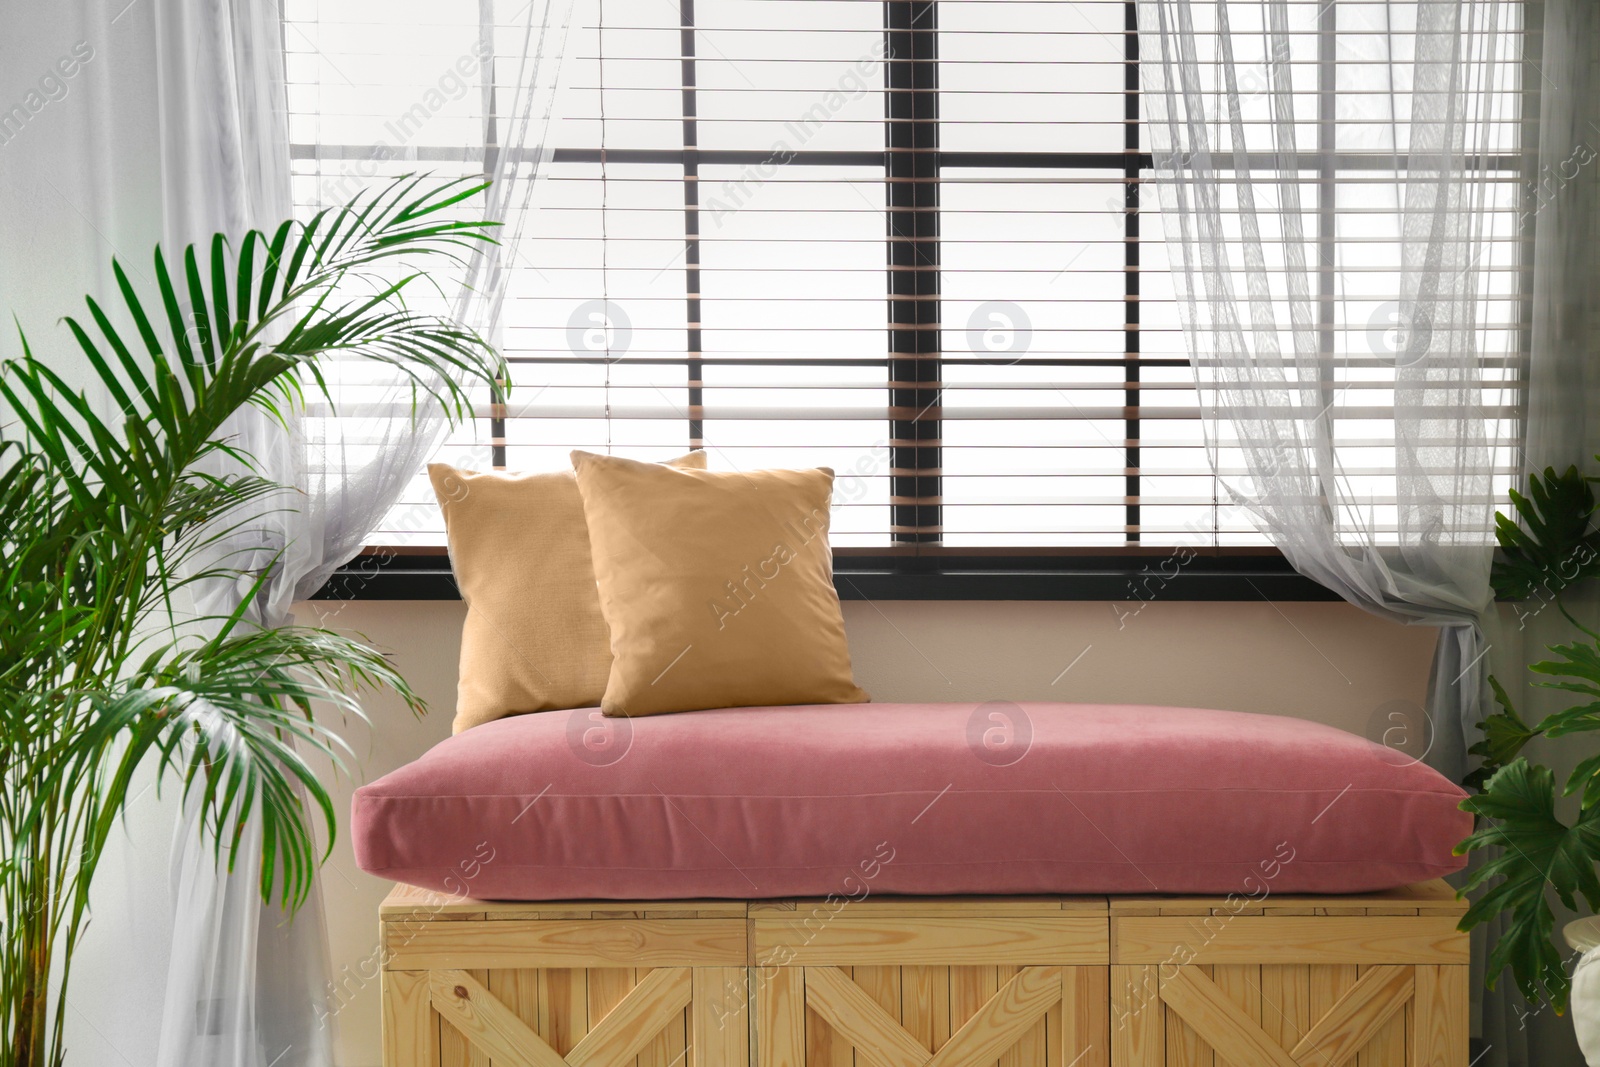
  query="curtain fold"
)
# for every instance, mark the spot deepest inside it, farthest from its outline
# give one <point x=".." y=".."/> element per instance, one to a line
<point x="1294" y="212"/>
<point x="246" y="985"/>
<point x="1336" y="184"/>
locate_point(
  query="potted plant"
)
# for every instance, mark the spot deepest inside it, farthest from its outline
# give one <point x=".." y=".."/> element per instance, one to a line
<point x="1532" y="850"/>
<point x="105" y="520"/>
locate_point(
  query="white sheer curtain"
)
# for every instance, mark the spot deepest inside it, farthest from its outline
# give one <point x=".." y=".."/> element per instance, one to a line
<point x="1328" y="242"/>
<point x="246" y="983"/>
<point x="1339" y="192"/>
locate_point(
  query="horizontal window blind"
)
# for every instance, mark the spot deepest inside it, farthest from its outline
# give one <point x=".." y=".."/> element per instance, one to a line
<point x="913" y="240"/>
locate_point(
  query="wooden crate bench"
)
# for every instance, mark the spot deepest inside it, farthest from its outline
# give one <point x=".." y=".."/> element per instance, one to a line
<point x="473" y="984"/>
<point x="931" y="983"/>
<point x="1378" y="980"/>
<point x="1373" y="981"/>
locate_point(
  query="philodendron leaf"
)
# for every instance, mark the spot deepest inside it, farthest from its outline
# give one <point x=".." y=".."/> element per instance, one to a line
<point x="1504" y="734"/>
<point x="1536" y="851"/>
<point x="1578" y="668"/>
<point x="1586" y="777"/>
<point x="1553" y="547"/>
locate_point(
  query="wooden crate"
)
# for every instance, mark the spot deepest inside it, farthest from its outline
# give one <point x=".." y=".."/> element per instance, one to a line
<point x="1371" y="981"/>
<point x="598" y="984"/>
<point x="931" y="983"/>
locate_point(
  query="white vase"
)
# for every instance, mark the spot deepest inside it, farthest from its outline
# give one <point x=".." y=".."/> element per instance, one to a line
<point x="1584" y="936"/>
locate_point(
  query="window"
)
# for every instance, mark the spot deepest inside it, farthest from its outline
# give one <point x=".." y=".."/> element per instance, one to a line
<point x="909" y="239"/>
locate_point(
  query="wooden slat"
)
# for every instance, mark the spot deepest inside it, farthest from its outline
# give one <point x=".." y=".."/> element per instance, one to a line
<point x="1289" y="939"/>
<point x="1439" y="1017"/>
<point x="557" y="943"/>
<point x="437" y="1029"/>
<point x="563" y="1007"/>
<point x="518" y="989"/>
<point x="1285" y="1002"/>
<point x="1328" y="983"/>
<point x="780" y="1017"/>
<point x="677" y="1038"/>
<point x="1138" y="1031"/>
<point x="998" y="1024"/>
<point x="456" y="1049"/>
<point x="857" y="1018"/>
<point x="1435" y="896"/>
<point x="1389" y="1044"/>
<point x="1226" y="1028"/>
<point x="1011" y="1057"/>
<point x="1031" y="1043"/>
<point x="948" y="907"/>
<point x="970" y="990"/>
<point x="882" y="984"/>
<point x="1053" y="1035"/>
<point x="406" y="900"/>
<point x="1358" y="1016"/>
<point x="837" y="1050"/>
<point x="925" y="1004"/>
<point x="653" y="1051"/>
<point x="618" y="1037"/>
<point x="673" y="1045"/>
<point x="1185" y="1046"/>
<point x="1240" y="984"/>
<point x="605" y="988"/>
<point x="721" y="1020"/>
<point x="407" y="1037"/>
<point x="820" y="1040"/>
<point x="1085" y="1018"/>
<point x="850" y="940"/>
<point x="1395" y="910"/>
<point x="465" y="1004"/>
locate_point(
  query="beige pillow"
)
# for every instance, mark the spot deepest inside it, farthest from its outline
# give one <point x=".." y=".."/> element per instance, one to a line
<point x="717" y="586"/>
<point x="534" y="639"/>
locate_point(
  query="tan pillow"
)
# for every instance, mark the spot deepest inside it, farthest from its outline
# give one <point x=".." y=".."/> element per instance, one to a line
<point x="534" y="639"/>
<point x="717" y="586"/>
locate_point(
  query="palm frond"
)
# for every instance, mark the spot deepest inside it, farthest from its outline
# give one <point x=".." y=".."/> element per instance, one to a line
<point x="237" y="720"/>
<point x="109" y="514"/>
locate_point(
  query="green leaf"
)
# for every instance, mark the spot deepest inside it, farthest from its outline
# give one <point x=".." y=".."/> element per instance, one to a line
<point x="1579" y="665"/>
<point x="1504" y="735"/>
<point x="1553" y="548"/>
<point x="1537" y="852"/>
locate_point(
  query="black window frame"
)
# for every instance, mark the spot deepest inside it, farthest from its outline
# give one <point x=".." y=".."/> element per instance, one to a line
<point x="915" y="565"/>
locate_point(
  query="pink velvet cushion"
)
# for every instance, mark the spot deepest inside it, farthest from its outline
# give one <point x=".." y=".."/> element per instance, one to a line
<point x="907" y="798"/>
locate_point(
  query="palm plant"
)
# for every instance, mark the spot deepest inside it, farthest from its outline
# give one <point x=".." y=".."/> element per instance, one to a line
<point x="104" y="521"/>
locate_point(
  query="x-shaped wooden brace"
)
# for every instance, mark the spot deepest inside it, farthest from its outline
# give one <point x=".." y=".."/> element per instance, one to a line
<point x="879" y="1037"/>
<point x="1346" y="1028"/>
<point x="614" y="1040"/>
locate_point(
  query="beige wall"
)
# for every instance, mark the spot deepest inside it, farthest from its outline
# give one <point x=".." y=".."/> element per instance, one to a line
<point x="1327" y="662"/>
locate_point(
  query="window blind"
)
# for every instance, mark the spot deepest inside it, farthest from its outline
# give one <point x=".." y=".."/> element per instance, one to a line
<point x="913" y="240"/>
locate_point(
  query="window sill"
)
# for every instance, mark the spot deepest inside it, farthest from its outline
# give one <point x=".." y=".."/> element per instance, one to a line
<point x="1132" y="575"/>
